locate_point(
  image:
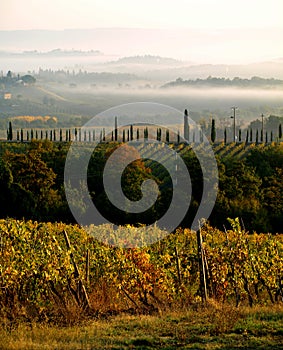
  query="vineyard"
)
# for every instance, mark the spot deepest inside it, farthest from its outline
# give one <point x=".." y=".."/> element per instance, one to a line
<point x="49" y="269"/>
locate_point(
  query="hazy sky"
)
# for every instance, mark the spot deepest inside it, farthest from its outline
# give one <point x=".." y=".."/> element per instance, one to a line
<point x="225" y="30"/>
<point x="62" y="14"/>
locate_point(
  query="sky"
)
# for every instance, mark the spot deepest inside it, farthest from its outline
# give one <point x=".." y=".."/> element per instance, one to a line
<point x="211" y="14"/>
<point x="231" y="31"/>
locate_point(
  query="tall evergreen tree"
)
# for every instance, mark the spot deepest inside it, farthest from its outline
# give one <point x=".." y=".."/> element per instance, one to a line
<point x="131" y="132"/>
<point x="167" y="136"/>
<point x="10" y="132"/>
<point x="116" y="129"/>
<point x="213" y="131"/>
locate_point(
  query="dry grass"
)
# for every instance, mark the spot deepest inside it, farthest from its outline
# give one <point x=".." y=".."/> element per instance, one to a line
<point x="214" y="326"/>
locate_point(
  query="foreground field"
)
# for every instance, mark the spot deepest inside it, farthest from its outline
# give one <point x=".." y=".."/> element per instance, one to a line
<point x="61" y="288"/>
<point x="215" y="326"/>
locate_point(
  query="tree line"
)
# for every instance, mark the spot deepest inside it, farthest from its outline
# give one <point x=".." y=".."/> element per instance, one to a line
<point x="250" y="185"/>
<point x="250" y="135"/>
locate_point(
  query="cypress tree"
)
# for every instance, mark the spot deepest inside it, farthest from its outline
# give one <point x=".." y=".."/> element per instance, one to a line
<point x="280" y="132"/>
<point x="167" y="136"/>
<point x="225" y="136"/>
<point x="10" y="132"/>
<point x="131" y="132"/>
<point x="116" y="129"/>
<point x="213" y="131"/>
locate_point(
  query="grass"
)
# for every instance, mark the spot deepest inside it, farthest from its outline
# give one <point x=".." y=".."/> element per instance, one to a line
<point x="214" y="326"/>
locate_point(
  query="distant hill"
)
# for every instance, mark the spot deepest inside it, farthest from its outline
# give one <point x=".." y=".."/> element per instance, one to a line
<point x="148" y="59"/>
<point x="254" y="82"/>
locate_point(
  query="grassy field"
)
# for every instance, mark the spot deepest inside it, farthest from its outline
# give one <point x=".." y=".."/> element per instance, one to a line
<point x="214" y="326"/>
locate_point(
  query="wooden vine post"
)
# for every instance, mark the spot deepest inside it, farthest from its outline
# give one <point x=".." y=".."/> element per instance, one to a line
<point x="80" y="294"/>
<point x="202" y="271"/>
